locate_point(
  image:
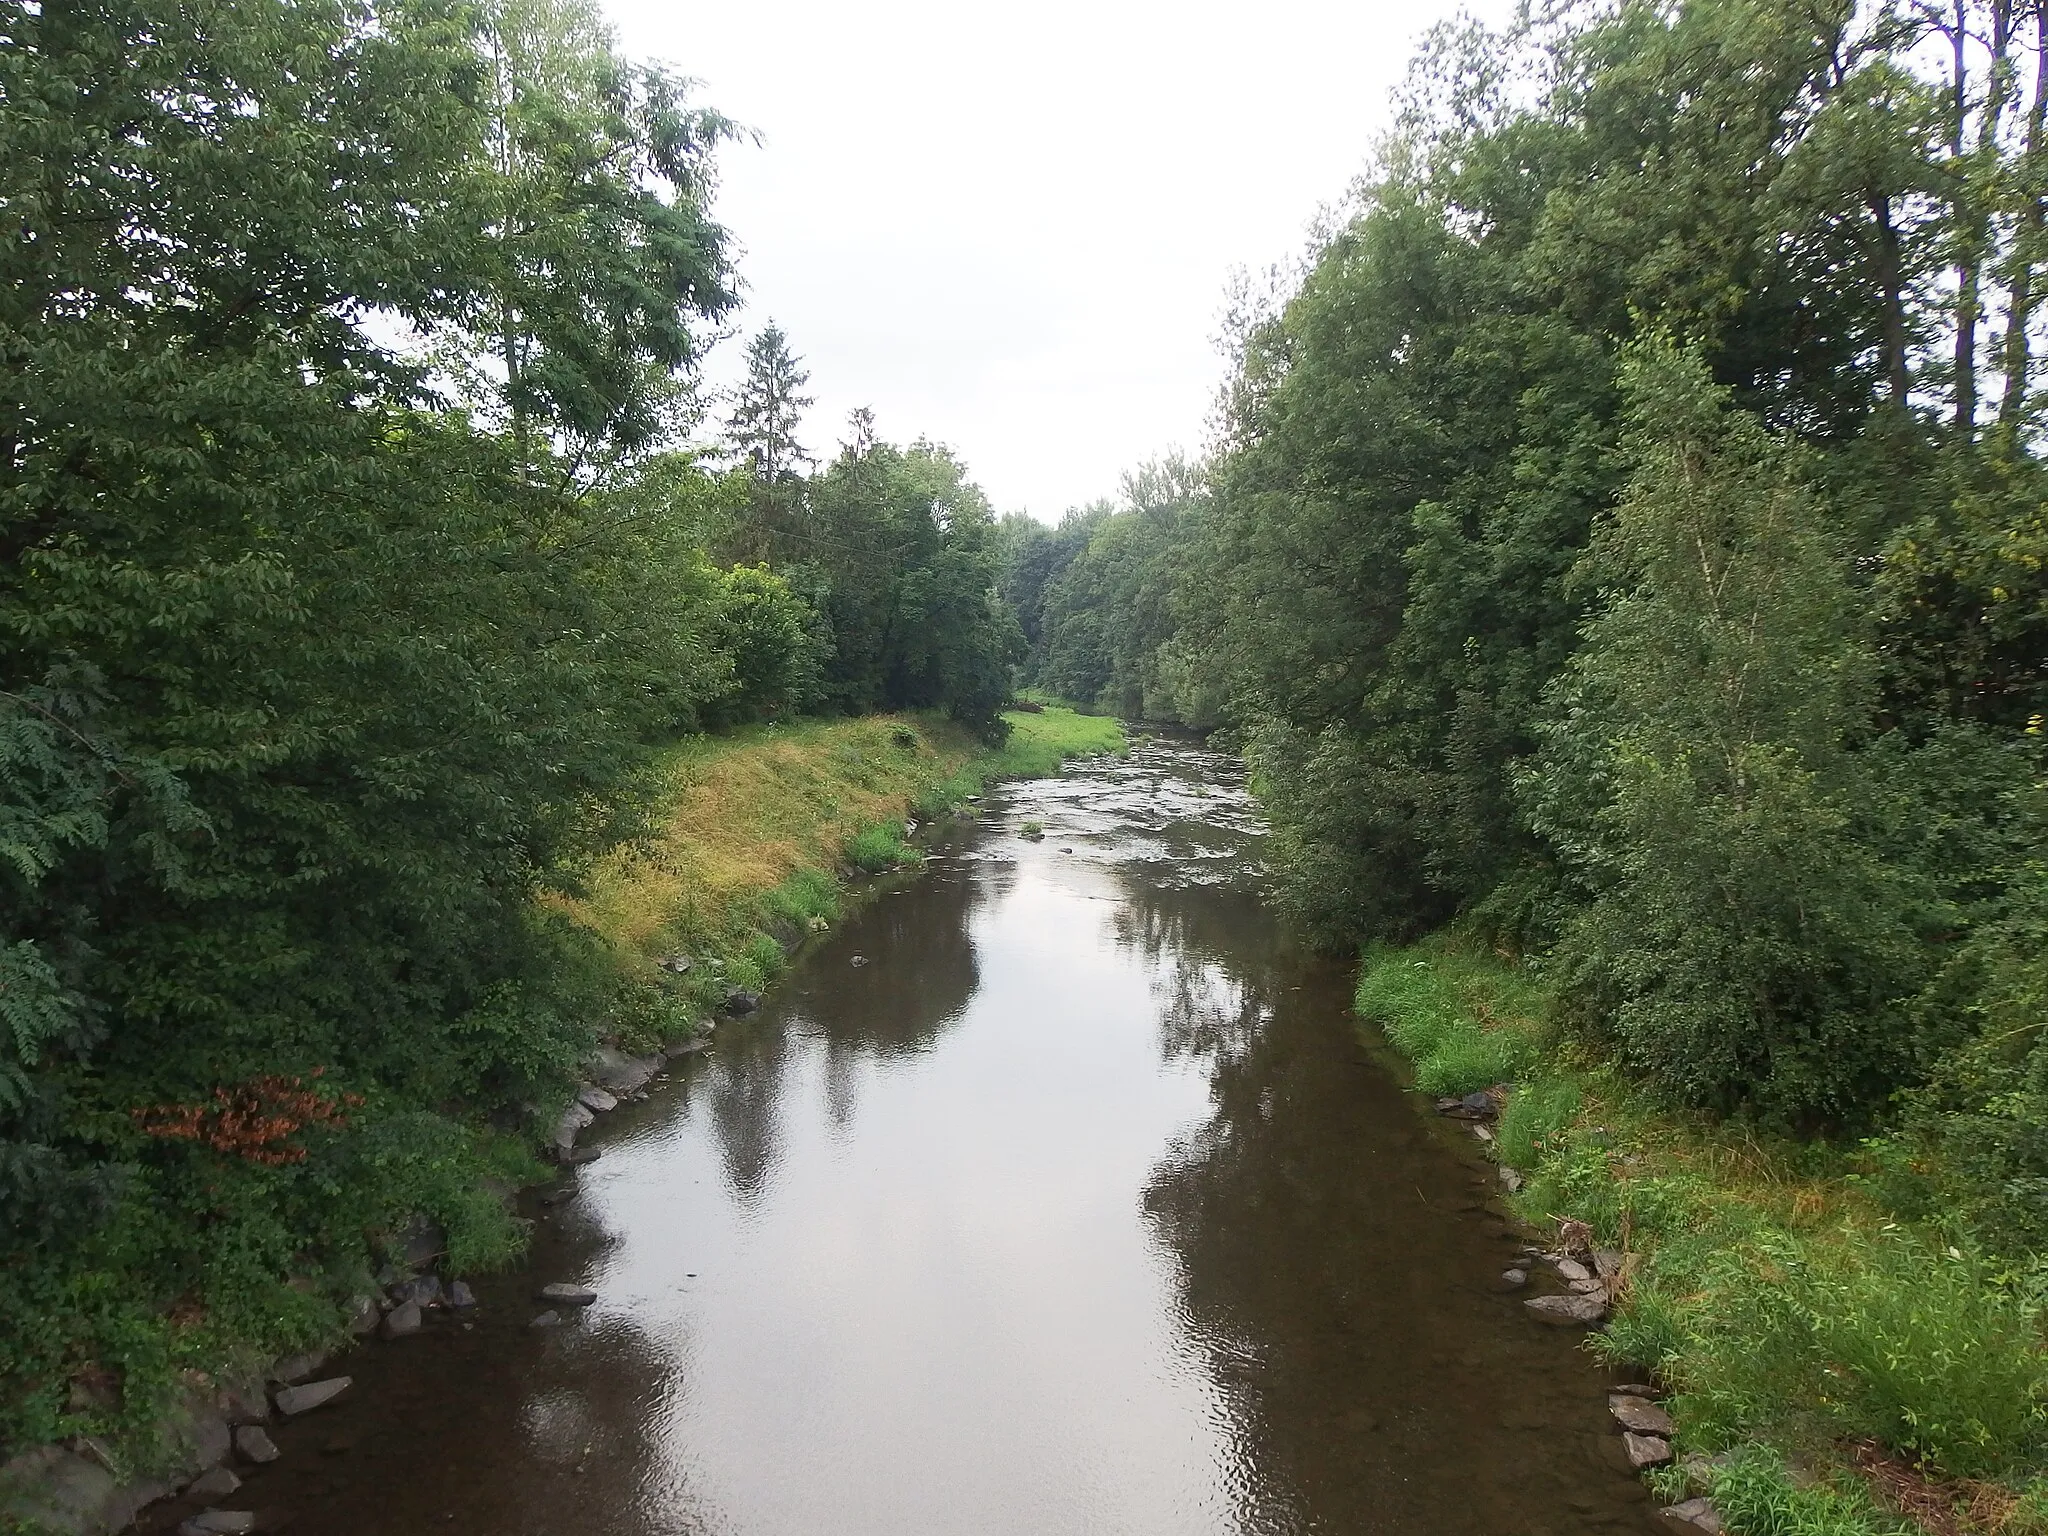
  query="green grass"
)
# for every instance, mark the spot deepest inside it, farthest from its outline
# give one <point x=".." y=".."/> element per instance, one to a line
<point x="1038" y="746"/>
<point x="879" y="849"/>
<point x="1784" y="1306"/>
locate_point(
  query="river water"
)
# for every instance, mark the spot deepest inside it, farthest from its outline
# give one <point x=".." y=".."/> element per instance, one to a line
<point x="1080" y="1206"/>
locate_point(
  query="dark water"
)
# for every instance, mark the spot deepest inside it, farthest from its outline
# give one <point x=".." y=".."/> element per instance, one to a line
<point x="1079" y="1208"/>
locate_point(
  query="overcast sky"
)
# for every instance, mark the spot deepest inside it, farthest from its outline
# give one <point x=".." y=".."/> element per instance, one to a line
<point x="1011" y="228"/>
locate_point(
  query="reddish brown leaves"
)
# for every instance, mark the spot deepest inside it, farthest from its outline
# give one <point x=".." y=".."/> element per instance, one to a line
<point x="254" y="1120"/>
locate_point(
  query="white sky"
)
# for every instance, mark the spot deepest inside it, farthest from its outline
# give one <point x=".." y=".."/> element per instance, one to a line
<point x="1010" y="229"/>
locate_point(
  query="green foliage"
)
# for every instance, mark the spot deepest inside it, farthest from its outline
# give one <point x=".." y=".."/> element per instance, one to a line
<point x="771" y="635"/>
<point x="1756" y="1493"/>
<point x="877" y="849"/>
<point x="1449" y="1015"/>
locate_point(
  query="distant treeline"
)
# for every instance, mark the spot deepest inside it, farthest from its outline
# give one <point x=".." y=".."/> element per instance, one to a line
<point x="351" y="577"/>
<point x="1625" y="535"/>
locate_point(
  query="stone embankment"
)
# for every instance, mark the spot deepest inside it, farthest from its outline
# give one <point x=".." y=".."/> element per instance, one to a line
<point x="1588" y="1282"/>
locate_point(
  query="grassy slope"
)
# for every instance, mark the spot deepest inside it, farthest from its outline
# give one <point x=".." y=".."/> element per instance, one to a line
<point x="1790" y="1314"/>
<point x="762" y="821"/>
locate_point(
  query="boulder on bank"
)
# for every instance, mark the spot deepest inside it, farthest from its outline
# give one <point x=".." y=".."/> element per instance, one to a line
<point x="740" y="1001"/>
<point x="575" y="1119"/>
<point x="1568" y="1311"/>
<point x="614" y="1071"/>
<point x="60" y="1490"/>
<point x="1646" y="1451"/>
<point x="564" y="1294"/>
<point x="253" y="1444"/>
<point x="596" y="1099"/>
<point x="293" y="1401"/>
<point x="1640" y="1415"/>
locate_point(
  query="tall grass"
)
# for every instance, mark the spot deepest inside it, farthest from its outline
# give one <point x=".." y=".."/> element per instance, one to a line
<point x="1769" y="1289"/>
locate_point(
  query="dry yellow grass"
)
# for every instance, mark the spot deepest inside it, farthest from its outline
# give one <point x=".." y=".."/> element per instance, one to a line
<point x="749" y="811"/>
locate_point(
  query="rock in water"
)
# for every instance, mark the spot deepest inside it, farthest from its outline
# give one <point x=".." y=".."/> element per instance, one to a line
<point x="1640" y="1415"/>
<point x="292" y="1401"/>
<point x="594" y="1098"/>
<point x="1697" y="1513"/>
<point x="402" y="1320"/>
<point x="547" y="1320"/>
<point x="297" y="1367"/>
<point x="217" y="1483"/>
<point x="254" y="1444"/>
<point x="220" y="1522"/>
<point x="1567" y="1311"/>
<point x="1645" y="1451"/>
<point x="739" y="1000"/>
<point x="564" y="1294"/>
<point x="460" y="1296"/>
<point x="1513" y="1279"/>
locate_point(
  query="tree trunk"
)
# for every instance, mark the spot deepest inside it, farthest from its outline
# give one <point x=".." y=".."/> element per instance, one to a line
<point x="2026" y="241"/>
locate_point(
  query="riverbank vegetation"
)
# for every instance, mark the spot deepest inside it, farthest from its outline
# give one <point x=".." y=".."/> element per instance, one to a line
<point x="369" y="563"/>
<point x="1622" y="539"/>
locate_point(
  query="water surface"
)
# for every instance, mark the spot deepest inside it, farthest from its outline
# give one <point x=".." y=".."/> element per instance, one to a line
<point x="1078" y="1207"/>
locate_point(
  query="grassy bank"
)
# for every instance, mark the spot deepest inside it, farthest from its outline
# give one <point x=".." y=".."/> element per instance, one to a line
<point x="1858" y="1373"/>
<point x="763" y="826"/>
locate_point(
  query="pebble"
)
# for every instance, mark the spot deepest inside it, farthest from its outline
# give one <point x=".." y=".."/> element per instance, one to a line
<point x="568" y="1295"/>
<point x="547" y="1320"/>
<point x="1514" y="1279"/>
<point x="858" y="961"/>
<point x="1510" y="1179"/>
<point x="460" y="1296"/>
<point x="297" y="1400"/>
<point x="252" y="1443"/>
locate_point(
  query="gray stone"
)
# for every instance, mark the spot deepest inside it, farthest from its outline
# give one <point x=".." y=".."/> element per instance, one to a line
<point x="577" y="1117"/>
<point x="221" y="1522"/>
<point x="215" y="1483"/>
<point x="244" y="1404"/>
<point x="401" y="1320"/>
<point x="422" y="1243"/>
<point x="1567" y="1311"/>
<point x="858" y="961"/>
<point x="818" y="925"/>
<point x="201" y="1436"/>
<point x="1510" y="1179"/>
<point x="363" y="1315"/>
<point x="594" y="1098"/>
<point x="298" y="1367"/>
<point x="460" y="1296"/>
<point x="686" y="1045"/>
<point x="1606" y="1263"/>
<point x="253" y="1443"/>
<point x="1480" y="1104"/>
<point x="1699" y="1514"/>
<point x="1640" y="1415"/>
<point x="548" y="1320"/>
<point x="614" y="1071"/>
<point x="1513" y="1279"/>
<point x="678" y="965"/>
<point x="575" y="1157"/>
<point x="292" y="1401"/>
<point x="1588" y="1288"/>
<point x="1572" y="1269"/>
<point x="1645" y="1451"/>
<point x="740" y="1001"/>
<point x="566" y="1294"/>
<point x="420" y="1291"/>
<point x="58" y="1489"/>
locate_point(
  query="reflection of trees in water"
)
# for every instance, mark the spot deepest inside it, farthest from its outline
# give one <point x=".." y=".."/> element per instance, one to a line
<point x="918" y="979"/>
<point x="1211" y="975"/>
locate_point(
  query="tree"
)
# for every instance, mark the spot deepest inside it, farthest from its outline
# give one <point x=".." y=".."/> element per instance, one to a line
<point x="768" y="409"/>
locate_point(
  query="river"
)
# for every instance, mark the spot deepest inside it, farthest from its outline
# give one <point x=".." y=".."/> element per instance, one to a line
<point x="1054" y="1192"/>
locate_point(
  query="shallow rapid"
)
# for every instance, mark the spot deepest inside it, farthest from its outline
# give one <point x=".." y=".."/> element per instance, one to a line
<point x="1077" y="1205"/>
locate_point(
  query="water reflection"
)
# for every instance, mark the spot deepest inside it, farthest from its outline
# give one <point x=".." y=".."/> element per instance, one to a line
<point x="1077" y="1208"/>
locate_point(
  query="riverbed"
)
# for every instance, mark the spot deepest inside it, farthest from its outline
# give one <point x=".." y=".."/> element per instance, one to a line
<point x="1056" y="1191"/>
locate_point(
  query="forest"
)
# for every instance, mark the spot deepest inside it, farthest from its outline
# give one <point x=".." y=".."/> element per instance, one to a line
<point x="355" y="565"/>
<point x="1619" y="543"/>
<point x="1623" y="542"/>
